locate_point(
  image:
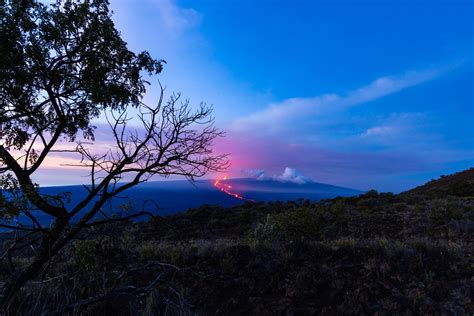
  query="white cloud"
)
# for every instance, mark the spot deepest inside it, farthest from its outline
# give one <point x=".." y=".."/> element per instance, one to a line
<point x="387" y="85"/>
<point x="396" y="130"/>
<point x="176" y="18"/>
<point x="378" y="131"/>
<point x="289" y="175"/>
<point x="293" y="176"/>
<point x="277" y="115"/>
<point x="256" y="174"/>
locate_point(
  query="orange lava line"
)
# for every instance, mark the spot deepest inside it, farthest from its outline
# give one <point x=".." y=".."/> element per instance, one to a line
<point x="220" y="185"/>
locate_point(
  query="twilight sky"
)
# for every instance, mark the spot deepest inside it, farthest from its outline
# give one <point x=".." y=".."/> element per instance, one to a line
<point x="364" y="94"/>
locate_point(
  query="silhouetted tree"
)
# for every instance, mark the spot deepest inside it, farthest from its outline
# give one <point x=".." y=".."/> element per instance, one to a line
<point x="61" y="66"/>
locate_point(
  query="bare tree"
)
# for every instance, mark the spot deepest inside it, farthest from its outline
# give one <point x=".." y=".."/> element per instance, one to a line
<point x="60" y="67"/>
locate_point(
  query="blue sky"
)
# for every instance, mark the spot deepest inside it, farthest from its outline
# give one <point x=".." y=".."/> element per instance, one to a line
<point x="366" y="94"/>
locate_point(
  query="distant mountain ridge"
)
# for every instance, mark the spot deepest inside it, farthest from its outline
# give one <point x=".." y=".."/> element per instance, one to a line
<point x="169" y="197"/>
<point x="271" y="190"/>
<point x="178" y="196"/>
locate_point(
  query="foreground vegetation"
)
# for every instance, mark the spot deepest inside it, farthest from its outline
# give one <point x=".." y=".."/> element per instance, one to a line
<point x="377" y="253"/>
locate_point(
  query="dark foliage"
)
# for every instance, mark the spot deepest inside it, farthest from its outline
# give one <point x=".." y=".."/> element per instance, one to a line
<point x="458" y="184"/>
<point x="377" y="253"/>
<point x="61" y="66"/>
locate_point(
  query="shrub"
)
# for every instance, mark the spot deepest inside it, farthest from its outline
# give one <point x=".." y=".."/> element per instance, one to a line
<point x="461" y="188"/>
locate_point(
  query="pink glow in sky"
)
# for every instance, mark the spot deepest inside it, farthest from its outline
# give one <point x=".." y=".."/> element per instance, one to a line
<point x="325" y="93"/>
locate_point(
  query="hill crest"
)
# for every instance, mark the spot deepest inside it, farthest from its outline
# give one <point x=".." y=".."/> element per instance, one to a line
<point x="458" y="184"/>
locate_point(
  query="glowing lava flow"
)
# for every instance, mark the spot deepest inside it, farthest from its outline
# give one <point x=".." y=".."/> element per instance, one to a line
<point x="220" y="185"/>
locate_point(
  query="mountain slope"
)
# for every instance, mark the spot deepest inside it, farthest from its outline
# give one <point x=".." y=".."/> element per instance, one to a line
<point x="270" y="190"/>
<point x="374" y="253"/>
<point x="457" y="184"/>
<point x="170" y="197"/>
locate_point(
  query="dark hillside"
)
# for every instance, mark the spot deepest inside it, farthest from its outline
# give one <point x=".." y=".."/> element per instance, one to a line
<point x="372" y="254"/>
<point x="458" y="184"/>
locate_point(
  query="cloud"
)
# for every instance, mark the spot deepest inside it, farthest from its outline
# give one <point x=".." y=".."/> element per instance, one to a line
<point x="289" y="175"/>
<point x="378" y="131"/>
<point x="398" y="130"/>
<point x="176" y="18"/>
<point x="293" y="176"/>
<point x="161" y="27"/>
<point x="277" y="115"/>
<point x="256" y="174"/>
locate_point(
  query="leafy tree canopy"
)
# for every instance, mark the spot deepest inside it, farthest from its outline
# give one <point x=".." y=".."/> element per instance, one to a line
<point x="61" y="65"/>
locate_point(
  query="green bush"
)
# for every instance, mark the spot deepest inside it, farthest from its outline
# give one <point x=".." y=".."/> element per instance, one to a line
<point x="94" y="254"/>
<point x="298" y="224"/>
<point x="302" y="223"/>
